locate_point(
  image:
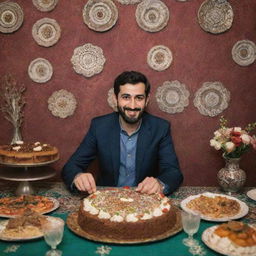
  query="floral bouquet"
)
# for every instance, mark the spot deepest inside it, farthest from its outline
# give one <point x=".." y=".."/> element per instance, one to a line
<point x="235" y="141"/>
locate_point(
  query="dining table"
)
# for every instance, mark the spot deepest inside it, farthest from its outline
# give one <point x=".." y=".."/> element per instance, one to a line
<point x="74" y="245"/>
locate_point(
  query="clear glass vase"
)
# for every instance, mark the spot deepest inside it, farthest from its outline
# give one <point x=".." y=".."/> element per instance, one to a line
<point x="231" y="178"/>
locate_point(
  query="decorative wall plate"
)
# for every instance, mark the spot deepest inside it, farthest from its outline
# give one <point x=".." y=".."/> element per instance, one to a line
<point x="212" y="98"/>
<point x="244" y="52"/>
<point x="100" y="15"/>
<point x="88" y="60"/>
<point x="172" y="97"/>
<point x="45" y="5"/>
<point x="159" y="57"/>
<point x="152" y="15"/>
<point x="215" y="16"/>
<point x="11" y="17"/>
<point x="46" y="32"/>
<point x="111" y="99"/>
<point x="40" y="70"/>
<point x="62" y="103"/>
<point x="129" y="1"/>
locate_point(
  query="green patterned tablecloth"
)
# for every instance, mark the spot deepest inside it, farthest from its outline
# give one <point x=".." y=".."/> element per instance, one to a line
<point x="72" y="245"/>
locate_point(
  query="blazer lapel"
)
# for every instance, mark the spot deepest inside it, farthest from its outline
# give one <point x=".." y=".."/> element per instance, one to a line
<point x="115" y="148"/>
<point x="143" y="141"/>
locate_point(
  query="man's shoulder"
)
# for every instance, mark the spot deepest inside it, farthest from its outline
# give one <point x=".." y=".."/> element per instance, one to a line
<point x="155" y="119"/>
<point x="105" y="118"/>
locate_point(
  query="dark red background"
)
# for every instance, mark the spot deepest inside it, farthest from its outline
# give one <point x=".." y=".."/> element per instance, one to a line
<point x="198" y="57"/>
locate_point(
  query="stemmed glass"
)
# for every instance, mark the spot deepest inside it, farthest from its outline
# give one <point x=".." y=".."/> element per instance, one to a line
<point x="53" y="232"/>
<point x="190" y="223"/>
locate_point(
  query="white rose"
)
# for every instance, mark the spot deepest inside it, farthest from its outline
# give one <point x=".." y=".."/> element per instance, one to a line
<point x="237" y="129"/>
<point x="212" y="142"/>
<point x="230" y="146"/>
<point x="215" y="144"/>
<point x="217" y="134"/>
<point x="246" y="138"/>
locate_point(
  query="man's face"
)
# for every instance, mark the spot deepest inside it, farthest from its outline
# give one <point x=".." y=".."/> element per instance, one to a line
<point x="131" y="102"/>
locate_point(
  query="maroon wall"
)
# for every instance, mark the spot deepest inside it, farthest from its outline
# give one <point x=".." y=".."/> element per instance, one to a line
<point x="198" y="57"/>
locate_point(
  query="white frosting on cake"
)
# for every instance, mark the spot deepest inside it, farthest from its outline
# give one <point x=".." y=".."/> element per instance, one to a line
<point x="117" y="218"/>
<point x="129" y="206"/>
<point x="157" y="212"/>
<point x="104" y="215"/>
<point x="131" y="217"/>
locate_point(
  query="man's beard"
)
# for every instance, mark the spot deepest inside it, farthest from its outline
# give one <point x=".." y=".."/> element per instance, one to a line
<point x="127" y="119"/>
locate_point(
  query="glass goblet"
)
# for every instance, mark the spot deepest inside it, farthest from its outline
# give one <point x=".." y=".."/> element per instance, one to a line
<point x="53" y="232"/>
<point x="190" y="224"/>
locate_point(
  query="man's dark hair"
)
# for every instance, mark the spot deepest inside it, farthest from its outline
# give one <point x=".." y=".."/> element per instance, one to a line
<point x="131" y="77"/>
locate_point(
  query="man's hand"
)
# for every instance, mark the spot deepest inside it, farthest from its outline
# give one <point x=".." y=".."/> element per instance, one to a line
<point x="85" y="182"/>
<point x="150" y="185"/>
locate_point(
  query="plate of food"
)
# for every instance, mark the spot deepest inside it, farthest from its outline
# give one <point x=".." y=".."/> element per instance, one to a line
<point x="25" y="227"/>
<point x="215" y="207"/>
<point x="11" y="207"/>
<point x="252" y="194"/>
<point x="233" y="239"/>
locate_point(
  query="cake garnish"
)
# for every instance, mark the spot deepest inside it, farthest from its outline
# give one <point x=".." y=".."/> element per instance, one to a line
<point x="17" y="148"/>
<point x="37" y="149"/>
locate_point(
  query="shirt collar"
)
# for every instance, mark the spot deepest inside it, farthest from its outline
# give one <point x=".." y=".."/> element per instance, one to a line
<point x="123" y="131"/>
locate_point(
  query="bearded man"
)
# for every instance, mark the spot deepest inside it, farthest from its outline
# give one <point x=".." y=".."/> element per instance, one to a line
<point x="133" y="147"/>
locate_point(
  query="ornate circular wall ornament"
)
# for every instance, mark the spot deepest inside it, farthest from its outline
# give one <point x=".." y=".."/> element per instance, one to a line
<point x="45" y="5"/>
<point x="212" y="98"/>
<point x="172" y="97"/>
<point x="111" y="99"/>
<point x="62" y="103"/>
<point x="159" y="57"/>
<point x="11" y="17"/>
<point x="88" y="60"/>
<point x="46" y="32"/>
<point x="129" y="1"/>
<point x="215" y="16"/>
<point x="40" y="70"/>
<point x="244" y="52"/>
<point x="152" y="15"/>
<point x="100" y="15"/>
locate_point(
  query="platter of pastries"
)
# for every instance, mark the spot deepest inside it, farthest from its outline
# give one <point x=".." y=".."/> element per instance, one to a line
<point x="232" y="238"/>
<point x="215" y="207"/>
<point x="11" y="207"/>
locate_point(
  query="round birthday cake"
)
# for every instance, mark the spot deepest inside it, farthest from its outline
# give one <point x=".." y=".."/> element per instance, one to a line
<point x="124" y="214"/>
<point x="28" y="153"/>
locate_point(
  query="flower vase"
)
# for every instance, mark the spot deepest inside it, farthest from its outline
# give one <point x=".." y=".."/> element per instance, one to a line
<point x="231" y="178"/>
<point x="16" y="135"/>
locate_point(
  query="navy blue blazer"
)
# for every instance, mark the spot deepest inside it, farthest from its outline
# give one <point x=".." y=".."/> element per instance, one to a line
<point x="155" y="154"/>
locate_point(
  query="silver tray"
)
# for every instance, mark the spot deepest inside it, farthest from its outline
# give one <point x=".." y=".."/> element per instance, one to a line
<point x="40" y="70"/>
<point x="46" y="32"/>
<point x="212" y="98"/>
<point x="172" y="97"/>
<point x="244" y="52"/>
<point x="62" y="103"/>
<point x="152" y="16"/>
<point x="215" y="16"/>
<point x="45" y="6"/>
<point x="88" y="60"/>
<point x="100" y="15"/>
<point x="159" y="57"/>
<point x="11" y="17"/>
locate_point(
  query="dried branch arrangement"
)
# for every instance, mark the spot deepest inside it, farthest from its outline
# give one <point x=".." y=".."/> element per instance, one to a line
<point x="12" y="103"/>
